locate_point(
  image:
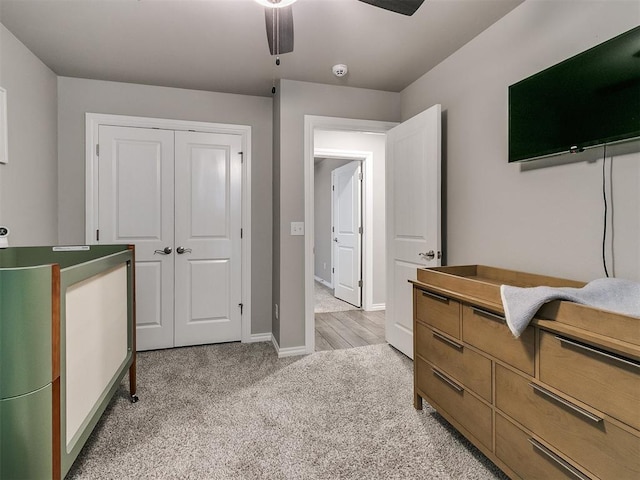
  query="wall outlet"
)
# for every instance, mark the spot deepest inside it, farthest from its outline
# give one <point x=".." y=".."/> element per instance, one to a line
<point x="297" y="228"/>
<point x="276" y="309"/>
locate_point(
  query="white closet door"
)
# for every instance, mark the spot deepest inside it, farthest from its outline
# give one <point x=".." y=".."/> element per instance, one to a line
<point x="208" y="192"/>
<point x="413" y="217"/>
<point x="135" y="205"/>
<point x="347" y="239"/>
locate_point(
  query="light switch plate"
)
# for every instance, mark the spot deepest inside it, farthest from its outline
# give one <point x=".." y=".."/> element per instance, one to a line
<point x="297" y="228"/>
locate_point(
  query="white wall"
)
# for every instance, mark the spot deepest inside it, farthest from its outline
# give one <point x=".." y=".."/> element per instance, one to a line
<point x="28" y="183"/>
<point x="376" y="144"/>
<point x="295" y="100"/>
<point x="78" y="96"/>
<point x="543" y="220"/>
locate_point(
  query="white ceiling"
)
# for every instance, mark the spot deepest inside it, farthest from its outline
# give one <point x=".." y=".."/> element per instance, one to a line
<point x="221" y="45"/>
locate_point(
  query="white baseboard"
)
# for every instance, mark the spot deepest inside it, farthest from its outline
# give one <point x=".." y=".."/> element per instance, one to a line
<point x="323" y="281"/>
<point x="289" y="351"/>
<point x="260" y="337"/>
<point x="376" y="307"/>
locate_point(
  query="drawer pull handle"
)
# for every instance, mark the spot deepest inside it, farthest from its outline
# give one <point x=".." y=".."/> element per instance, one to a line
<point x="566" y="403"/>
<point x="435" y="296"/>
<point x="560" y="461"/>
<point x="491" y="315"/>
<point x="448" y="381"/>
<point x="598" y="351"/>
<point x="448" y="341"/>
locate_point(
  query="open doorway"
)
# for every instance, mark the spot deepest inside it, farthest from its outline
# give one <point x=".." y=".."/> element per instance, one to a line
<point x="338" y="277"/>
<point x="340" y="320"/>
<point x="360" y="320"/>
<point x="412" y="235"/>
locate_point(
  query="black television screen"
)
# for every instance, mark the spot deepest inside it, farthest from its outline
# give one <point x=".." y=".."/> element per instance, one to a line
<point x="590" y="99"/>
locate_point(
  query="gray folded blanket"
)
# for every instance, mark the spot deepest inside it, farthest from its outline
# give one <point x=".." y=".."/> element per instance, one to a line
<point x="613" y="294"/>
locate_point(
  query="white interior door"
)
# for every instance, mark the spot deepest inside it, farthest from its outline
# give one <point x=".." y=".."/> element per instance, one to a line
<point x="347" y="235"/>
<point x="413" y="217"/>
<point x="208" y="248"/>
<point x="135" y="205"/>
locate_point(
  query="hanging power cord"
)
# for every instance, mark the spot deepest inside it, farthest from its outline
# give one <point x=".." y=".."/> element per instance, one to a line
<point x="604" y="198"/>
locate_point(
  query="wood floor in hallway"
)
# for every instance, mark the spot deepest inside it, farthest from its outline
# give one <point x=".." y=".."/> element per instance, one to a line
<point x="354" y="328"/>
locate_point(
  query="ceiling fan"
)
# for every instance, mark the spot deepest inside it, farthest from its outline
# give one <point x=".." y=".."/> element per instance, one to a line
<point x="279" y="18"/>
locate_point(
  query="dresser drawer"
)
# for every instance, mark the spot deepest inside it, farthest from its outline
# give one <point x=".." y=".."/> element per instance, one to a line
<point x="457" y="361"/>
<point x="438" y="311"/>
<point x="598" y="445"/>
<point x="588" y="374"/>
<point x="454" y="400"/>
<point x="489" y="333"/>
<point x="527" y="457"/>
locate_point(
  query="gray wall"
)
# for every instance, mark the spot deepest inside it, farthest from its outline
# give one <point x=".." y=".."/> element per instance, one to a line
<point x="78" y="96"/>
<point x="375" y="144"/>
<point x="543" y="220"/>
<point x="297" y="99"/>
<point x="28" y="183"/>
<point x="322" y="215"/>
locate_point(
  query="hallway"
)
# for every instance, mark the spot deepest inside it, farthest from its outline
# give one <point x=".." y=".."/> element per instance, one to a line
<point x="354" y="328"/>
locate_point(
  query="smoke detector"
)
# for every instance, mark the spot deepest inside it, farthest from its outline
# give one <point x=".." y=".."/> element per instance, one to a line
<point x="340" y="70"/>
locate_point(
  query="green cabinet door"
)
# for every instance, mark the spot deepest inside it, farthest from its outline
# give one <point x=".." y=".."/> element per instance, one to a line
<point x="25" y="330"/>
<point x="26" y="436"/>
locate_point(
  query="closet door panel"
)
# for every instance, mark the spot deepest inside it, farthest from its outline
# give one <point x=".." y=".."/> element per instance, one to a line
<point x="208" y="245"/>
<point x="136" y="205"/>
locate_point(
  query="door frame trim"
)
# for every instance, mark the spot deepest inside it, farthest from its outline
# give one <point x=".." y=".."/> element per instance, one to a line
<point x="312" y="123"/>
<point x="93" y="122"/>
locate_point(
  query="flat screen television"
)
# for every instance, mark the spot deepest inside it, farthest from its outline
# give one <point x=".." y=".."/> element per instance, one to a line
<point x="588" y="100"/>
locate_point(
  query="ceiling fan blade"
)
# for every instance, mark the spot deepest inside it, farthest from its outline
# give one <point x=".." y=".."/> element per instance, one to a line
<point x="405" y="7"/>
<point x="279" y="29"/>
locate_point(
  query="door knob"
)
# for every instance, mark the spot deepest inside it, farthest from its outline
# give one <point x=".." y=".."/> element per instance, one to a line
<point x="182" y="250"/>
<point x="430" y="255"/>
<point x="165" y="251"/>
<point x="335" y="239"/>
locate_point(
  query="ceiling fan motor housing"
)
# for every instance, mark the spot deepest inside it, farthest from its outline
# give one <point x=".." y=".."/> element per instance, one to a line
<point x="340" y="70"/>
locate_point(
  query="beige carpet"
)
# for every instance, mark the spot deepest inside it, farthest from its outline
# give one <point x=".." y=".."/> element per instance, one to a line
<point x="327" y="302"/>
<point x="235" y="411"/>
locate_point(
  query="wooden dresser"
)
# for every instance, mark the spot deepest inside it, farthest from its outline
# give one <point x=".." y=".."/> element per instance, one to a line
<point x="561" y="401"/>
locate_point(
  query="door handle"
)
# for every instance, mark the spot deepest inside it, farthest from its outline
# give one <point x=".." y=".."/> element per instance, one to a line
<point x="182" y="250"/>
<point x="430" y="255"/>
<point x="335" y="239"/>
<point x="165" y="251"/>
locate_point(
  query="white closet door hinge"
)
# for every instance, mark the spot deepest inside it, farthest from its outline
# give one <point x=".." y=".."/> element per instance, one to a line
<point x="97" y="149"/>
